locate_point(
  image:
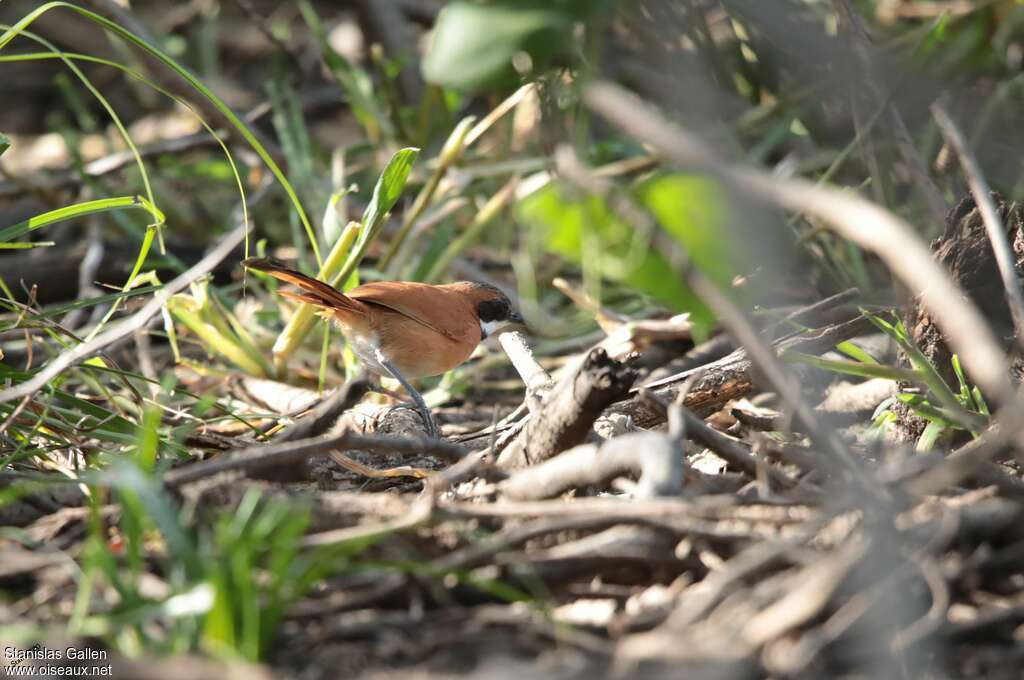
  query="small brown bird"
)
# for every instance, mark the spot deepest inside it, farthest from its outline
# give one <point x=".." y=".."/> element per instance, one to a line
<point x="403" y="329"/>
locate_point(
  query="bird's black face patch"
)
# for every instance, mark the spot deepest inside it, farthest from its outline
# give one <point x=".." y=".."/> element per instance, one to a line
<point x="494" y="309"/>
<point x="494" y="313"/>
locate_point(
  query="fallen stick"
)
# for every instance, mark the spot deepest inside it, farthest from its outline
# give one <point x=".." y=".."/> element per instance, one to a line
<point x="568" y="412"/>
<point x="728" y="378"/>
<point x="263" y="456"/>
<point x="733" y="451"/>
<point x="538" y="382"/>
<point x="655" y="458"/>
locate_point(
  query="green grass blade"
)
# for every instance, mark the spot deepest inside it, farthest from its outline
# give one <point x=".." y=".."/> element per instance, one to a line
<point x="923" y="368"/>
<point x="115" y="119"/>
<point x="930" y="436"/>
<point x="27" y="246"/>
<point x="854" y="352"/>
<point x="76" y="210"/>
<point x="855" y="368"/>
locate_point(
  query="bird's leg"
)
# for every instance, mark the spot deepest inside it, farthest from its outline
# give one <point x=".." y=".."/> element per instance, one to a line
<point x="421" y="405"/>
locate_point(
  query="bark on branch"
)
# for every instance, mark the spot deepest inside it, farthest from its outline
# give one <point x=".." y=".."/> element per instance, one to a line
<point x="570" y="410"/>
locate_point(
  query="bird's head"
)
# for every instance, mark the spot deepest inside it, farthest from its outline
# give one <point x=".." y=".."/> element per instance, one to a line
<point x="493" y="309"/>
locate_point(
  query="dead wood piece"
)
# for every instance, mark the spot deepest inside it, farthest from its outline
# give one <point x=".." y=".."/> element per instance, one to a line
<point x="653" y="457"/>
<point x="336" y="509"/>
<point x="728" y="378"/>
<point x="831" y="310"/>
<point x="964" y="250"/>
<point x="813" y="587"/>
<point x="478" y="553"/>
<point x="385" y="586"/>
<point x="17" y="563"/>
<point x="989" y="520"/>
<point x="324" y="415"/>
<point x="276" y="397"/>
<point x="673" y="515"/>
<point x="856" y="398"/>
<point x="702" y="596"/>
<point x="757" y="417"/>
<point x="705" y="353"/>
<point x="729" y="449"/>
<point x="1006" y="261"/>
<point x="709" y="643"/>
<point x="419" y="513"/>
<point x="478" y="464"/>
<point x="971" y="461"/>
<point x="36" y="507"/>
<point x="569" y="411"/>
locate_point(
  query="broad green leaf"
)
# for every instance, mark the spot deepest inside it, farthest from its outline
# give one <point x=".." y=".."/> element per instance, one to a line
<point x="5" y="143"/>
<point x="473" y="44"/>
<point x="386" y="193"/>
<point x="587" y="232"/>
<point x="389" y="187"/>
<point x="692" y="210"/>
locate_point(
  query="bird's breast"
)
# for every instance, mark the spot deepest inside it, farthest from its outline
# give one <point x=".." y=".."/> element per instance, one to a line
<point x="414" y="349"/>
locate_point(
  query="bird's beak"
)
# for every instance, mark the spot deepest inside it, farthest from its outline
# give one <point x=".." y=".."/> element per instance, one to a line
<point x="516" y="317"/>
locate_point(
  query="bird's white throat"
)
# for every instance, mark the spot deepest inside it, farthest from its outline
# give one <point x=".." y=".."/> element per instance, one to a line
<point x="488" y="327"/>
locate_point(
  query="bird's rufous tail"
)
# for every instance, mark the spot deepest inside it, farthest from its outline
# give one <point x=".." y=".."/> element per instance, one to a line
<point x="313" y="291"/>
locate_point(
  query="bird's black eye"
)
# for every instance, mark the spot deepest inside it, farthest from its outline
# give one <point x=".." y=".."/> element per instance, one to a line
<point x="494" y="309"/>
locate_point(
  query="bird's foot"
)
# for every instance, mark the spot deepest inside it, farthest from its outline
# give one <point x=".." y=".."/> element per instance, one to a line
<point x="428" y="420"/>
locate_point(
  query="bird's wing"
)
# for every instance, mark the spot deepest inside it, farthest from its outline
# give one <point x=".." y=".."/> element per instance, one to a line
<point x="447" y="312"/>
